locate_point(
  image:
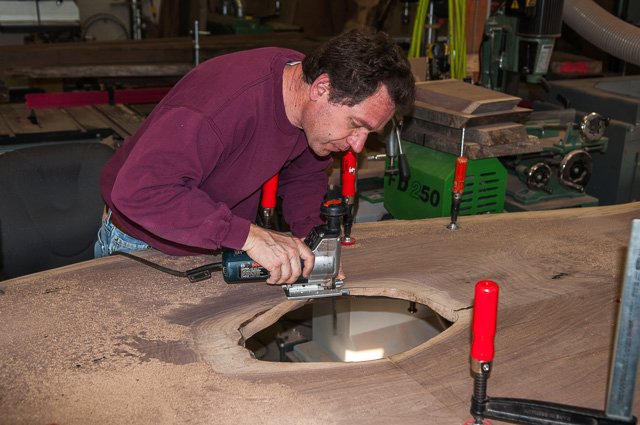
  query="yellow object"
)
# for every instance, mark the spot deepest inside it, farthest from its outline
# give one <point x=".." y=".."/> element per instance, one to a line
<point x="418" y="29"/>
<point x="457" y="39"/>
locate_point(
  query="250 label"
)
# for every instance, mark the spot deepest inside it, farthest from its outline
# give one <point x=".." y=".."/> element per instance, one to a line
<point x="424" y="193"/>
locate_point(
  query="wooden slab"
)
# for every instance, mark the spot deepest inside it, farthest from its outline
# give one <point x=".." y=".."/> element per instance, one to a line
<point x="489" y="141"/>
<point x="112" y="341"/>
<point x="463" y="97"/>
<point x="446" y="117"/>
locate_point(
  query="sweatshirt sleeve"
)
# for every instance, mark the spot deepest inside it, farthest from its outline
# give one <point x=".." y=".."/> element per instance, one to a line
<point x="303" y="185"/>
<point x="157" y="187"/>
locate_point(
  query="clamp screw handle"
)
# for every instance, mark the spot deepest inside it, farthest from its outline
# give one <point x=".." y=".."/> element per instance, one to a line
<point x="485" y="312"/>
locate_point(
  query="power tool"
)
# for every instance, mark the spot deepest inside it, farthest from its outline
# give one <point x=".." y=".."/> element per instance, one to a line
<point x="324" y="242"/>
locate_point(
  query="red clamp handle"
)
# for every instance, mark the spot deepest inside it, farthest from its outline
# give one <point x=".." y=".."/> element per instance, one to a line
<point x="485" y="312"/>
<point x="460" y="174"/>
<point x="269" y="191"/>
<point x="349" y="169"/>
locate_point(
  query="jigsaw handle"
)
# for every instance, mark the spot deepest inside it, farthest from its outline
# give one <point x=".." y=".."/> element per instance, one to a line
<point x="485" y="312"/>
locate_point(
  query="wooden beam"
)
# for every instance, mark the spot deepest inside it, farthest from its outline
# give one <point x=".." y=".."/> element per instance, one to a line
<point x="17" y="59"/>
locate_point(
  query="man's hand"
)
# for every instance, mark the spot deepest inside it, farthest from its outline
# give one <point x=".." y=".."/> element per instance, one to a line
<point x="279" y="253"/>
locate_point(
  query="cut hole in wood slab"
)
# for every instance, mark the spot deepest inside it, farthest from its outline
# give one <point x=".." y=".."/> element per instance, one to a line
<point x="346" y="329"/>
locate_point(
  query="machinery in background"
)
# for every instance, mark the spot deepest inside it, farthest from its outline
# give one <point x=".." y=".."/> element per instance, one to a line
<point x="443" y="109"/>
<point x="617" y="176"/>
<point x="518" y="42"/>
<point x="428" y="192"/>
<point x="556" y="176"/>
<point x="517" y="159"/>
<point x="231" y="18"/>
<point x="49" y="18"/>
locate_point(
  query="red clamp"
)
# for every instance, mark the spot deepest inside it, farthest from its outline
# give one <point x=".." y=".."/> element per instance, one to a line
<point x="460" y="173"/>
<point x="485" y="312"/>
<point x="349" y="169"/>
<point x="269" y="191"/>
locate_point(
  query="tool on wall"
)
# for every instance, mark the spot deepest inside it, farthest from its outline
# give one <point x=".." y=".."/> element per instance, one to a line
<point x="324" y="242"/>
<point x="623" y="370"/>
<point x="458" y="185"/>
<point x="349" y="179"/>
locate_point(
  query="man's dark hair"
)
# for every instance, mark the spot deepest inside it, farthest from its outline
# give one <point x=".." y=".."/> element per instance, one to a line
<point x="357" y="63"/>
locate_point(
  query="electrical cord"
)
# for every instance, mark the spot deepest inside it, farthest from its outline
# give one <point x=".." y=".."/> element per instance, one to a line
<point x="196" y="274"/>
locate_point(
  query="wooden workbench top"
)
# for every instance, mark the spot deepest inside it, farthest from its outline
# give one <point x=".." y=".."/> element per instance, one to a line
<point x="113" y="341"/>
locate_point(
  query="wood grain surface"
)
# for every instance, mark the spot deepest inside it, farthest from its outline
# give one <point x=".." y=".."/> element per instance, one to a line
<point x="465" y="98"/>
<point x="113" y="341"/>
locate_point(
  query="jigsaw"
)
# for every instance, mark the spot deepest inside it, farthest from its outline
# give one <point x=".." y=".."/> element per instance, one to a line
<point x="324" y="242"/>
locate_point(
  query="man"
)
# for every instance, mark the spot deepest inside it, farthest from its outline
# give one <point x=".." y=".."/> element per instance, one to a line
<point x="188" y="182"/>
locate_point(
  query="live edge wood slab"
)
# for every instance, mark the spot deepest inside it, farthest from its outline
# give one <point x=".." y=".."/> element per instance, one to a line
<point x="113" y="341"/>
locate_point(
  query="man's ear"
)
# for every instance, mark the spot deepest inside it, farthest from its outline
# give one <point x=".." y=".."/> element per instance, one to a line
<point x="320" y="87"/>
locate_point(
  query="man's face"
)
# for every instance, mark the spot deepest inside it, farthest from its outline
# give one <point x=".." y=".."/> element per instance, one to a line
<point x="334" y="128"/>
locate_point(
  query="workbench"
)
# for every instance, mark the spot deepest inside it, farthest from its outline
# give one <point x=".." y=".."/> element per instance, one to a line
<point x="114" y="341"/>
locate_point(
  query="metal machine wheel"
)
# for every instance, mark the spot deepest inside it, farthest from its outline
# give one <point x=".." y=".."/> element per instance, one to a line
<point x="592" y="127"/>
<point x="538" y="176"/>
<point x="575" y="169"/>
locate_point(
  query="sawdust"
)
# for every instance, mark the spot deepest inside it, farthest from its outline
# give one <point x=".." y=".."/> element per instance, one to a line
<point x="102" y="351"/>
<point x="154" y="392"/>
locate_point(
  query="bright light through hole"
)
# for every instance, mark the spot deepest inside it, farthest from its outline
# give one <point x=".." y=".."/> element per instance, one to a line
<point x="347" y="329"/>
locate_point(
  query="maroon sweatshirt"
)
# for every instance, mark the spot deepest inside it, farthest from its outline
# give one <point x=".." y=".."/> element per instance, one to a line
<point x="188" y="182"/>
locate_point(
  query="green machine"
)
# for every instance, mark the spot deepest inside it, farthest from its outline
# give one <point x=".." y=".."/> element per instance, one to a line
<point x="557" y="176"/>
<point x="427" y="192"/>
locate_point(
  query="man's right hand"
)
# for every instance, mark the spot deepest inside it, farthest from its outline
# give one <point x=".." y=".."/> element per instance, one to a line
<point x="279" y="253"/>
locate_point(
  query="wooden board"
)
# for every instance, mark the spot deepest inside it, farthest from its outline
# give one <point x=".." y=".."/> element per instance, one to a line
<point x="20" y="125"/>
<point x="131" y="58"/>
<point x="112" y="341"/>
<point x="465" y="98"/>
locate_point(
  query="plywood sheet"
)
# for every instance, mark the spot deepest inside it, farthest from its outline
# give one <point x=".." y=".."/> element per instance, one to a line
<point x="113" y="341"/>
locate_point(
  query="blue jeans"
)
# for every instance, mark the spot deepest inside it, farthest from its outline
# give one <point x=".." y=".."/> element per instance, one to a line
<point x="111" y="239"/>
